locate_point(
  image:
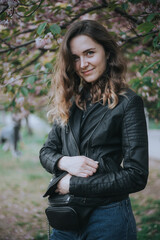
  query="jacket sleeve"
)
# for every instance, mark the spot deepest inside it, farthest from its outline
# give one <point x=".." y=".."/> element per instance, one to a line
<point x="51" y="151"/>
<point x="133" y="175"/>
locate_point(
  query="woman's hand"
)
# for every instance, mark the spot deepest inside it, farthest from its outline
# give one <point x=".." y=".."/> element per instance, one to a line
<point x="79" y="166"/>
<point x="63" y="185"/>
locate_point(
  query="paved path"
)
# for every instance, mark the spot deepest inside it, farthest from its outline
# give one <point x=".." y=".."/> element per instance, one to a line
<point x="154" y="144"/>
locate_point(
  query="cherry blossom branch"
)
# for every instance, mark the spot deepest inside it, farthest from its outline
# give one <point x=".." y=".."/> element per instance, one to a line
<point x="139" y="36"/>
<point x="20" y="33"/>
<point x="126" y="15"/>
<point x="25" y="76"/>
<point x="83" y="13"/>
<point x="3" y="41"/>
<point x="28" y="5"/>
<point x="6" y="7"/>
<point x="31" y="12"/>
<point x="76" y="4"/>
<point x="15" y="47"/>
<point x="31" y="62"/>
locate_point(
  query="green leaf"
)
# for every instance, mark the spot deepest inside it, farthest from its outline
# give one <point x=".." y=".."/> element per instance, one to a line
<point x="55" y="29"/>
<point x="41" y="28"/>
<point x="49" y="66"/>
<point x="68" y="8"/>
<point x="48" y="83"/>
<point x="139" y="52"/>
<point x="32" y="109"/>
<point x="145" y="69"/>
<point x="135" y="83"/>
<point x="21" y="9"/>
<point x="155" y="42"/>
<point x="3" y="16"/>
<point x="9" y="88"/>
<point x="24" y="91"/>
<point x="158" y="105"/>
<point x="153" y="1"/>
<point x="151" y="17"/>
<point x="147" y="38"/>
<point x="31" y="80"/>
<point x="146" y="52"/>
<point x="37" y="66"/>
<point x="145" y="27"/>
<point x="147" y="81"/>
<point x="13" y="104"/>
<point x="32" y="90"/>
<point x="125" y="6"/>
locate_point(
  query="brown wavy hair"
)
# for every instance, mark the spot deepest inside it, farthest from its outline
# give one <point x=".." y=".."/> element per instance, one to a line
<point x="67" y="86"/>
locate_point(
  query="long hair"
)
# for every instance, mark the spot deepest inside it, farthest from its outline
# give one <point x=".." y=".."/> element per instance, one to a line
<point x="67" y="85"/>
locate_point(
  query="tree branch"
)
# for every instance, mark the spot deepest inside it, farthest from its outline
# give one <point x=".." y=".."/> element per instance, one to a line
<point x="28" y="5"/>
<point x="83" y="13"/>
<point x="31" y="12"/>
<point x="139" y="36"/>
<point x="6" y="7"/>
<point x="31" y="62"/>
<point x="76" y="4"/>
<point x="23" y="76"/>
<point x="3" y="41"/>
<point x="15" y="47"/>
<point x="126" y="15"/>
<point x="20" y="33"/>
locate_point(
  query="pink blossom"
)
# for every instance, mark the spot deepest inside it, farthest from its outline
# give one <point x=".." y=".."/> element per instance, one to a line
<point x="5" y="23"/>
<point x="89" y="16"/>
<point x="152" y="98"/>
<point x="3" y="1"/>
<point x="38" y="89"/>
<point x="59" y="40"/>
<point x="43" y="42"/>
<point x="40" y="43"/>
<point x="13" y="3"/>
<point x="20" y="100"/>
<point x="48" y="38"/>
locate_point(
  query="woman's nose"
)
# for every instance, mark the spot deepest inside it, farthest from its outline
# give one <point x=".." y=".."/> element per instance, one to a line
<point x="84" y="63"/>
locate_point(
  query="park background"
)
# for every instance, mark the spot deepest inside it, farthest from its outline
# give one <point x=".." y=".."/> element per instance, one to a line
<point x="30" y="35"/>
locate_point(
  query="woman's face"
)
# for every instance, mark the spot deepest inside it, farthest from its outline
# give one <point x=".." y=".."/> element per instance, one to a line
<point x="89" y="58"/>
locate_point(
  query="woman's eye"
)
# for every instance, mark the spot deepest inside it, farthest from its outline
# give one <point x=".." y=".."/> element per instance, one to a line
<point x="90" y="53"/>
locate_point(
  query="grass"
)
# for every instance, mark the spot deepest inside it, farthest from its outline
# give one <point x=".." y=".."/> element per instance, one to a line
<point x="23" y="182"/>
<point x="148" y="219"/>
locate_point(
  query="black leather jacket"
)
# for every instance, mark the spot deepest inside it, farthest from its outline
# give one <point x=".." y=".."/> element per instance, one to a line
<point x="116" y="138"/>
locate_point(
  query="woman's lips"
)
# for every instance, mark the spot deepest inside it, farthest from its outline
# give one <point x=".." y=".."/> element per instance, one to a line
<point x="87" y="72"/>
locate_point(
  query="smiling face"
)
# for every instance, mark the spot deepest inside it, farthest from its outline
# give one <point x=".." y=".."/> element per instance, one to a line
<point x="89" y="58"/>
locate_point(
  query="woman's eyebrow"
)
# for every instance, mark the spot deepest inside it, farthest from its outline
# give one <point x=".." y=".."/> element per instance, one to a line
<point x="87" y="50"/>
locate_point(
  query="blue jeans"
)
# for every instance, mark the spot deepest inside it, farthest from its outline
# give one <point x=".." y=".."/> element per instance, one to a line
<point x="112" y="222"/>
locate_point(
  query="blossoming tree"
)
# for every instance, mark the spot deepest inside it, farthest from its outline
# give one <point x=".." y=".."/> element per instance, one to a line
<point x="31" y="32"/>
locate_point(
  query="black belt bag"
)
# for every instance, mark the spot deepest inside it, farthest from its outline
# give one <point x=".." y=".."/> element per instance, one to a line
<point x="63" y="213"/>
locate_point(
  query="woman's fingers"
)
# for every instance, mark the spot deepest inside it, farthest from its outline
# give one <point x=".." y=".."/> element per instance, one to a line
<point x="90" y="170"/>
<point x="91" y="163"/>
<point x="78" y="165"/>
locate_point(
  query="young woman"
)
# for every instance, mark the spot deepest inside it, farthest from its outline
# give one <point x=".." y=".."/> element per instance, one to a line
<point x="99" y="134"/>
